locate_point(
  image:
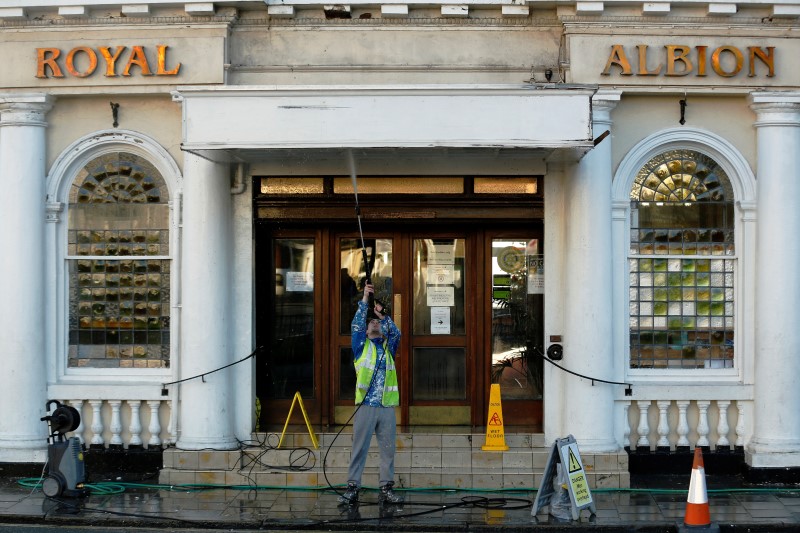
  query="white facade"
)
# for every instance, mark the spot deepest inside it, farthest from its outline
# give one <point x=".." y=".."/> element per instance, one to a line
<point x="219" y="92"/>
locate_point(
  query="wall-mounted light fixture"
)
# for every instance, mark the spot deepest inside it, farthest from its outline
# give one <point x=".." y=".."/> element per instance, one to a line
<point x="545" y="74"/>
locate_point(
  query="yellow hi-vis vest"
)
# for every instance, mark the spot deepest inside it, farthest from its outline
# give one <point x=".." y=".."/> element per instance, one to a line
<point x="365" y="367"/>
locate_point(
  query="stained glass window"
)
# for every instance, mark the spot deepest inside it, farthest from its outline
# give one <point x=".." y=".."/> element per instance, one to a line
<point x="119" y="265"/>
<point x="682" y="264"/>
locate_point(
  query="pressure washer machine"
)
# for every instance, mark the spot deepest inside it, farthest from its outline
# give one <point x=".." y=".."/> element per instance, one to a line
<point x="65" y="469"/>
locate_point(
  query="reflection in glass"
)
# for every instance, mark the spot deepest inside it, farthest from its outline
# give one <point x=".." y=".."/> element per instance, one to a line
<point x="290" y="357"/>
<point x="439" y="374"/>
<point x="352" y="274"/>
<point x="439" y="279"/>
<point x="400" y="185"/>
<point x="517" y="318"/>
<point x="347" y="374"/>
<point x="506" y="185"/>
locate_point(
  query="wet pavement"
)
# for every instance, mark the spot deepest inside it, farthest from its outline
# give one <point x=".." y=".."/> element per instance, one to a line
<point x="656" y="505"/>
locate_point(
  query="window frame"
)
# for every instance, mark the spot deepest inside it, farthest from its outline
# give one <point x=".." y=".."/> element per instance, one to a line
<point x="742" y="182"/>
<point x="63" y="173"/>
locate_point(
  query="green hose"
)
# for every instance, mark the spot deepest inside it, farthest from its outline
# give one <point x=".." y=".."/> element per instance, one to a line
<point x="113" y="487"/>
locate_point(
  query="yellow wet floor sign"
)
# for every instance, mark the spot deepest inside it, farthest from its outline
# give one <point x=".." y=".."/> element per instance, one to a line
<point x="565" y="452"/>
<point x="495" y="432"/>
<point x="299" y="400"/>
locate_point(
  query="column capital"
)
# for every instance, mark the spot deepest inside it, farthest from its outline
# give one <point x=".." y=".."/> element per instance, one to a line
<point x="603" y="103"/>
<point x="53" y="211"/>
<point x="776" y="108"/>
<point x="25" y="109"/>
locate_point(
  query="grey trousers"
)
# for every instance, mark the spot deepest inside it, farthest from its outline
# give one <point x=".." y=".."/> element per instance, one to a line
<point x="380" y="421"/>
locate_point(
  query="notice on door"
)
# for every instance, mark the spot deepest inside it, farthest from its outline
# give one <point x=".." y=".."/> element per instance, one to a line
<point x="441" y="255"/>
<point x="299" y="281"/>
<point x="536" y="274"/>
<point x="440" y="275"/>
<point x="440" y="321"/>
<point x="441" y="296"/>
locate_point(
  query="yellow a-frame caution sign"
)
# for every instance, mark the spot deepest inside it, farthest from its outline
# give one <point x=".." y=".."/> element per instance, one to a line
<point x="298" y="399"/>
<point x="565" y="451"/>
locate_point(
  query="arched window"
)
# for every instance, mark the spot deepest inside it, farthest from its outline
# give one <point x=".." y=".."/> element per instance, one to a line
<point x="682" y="263"/>
<point x="118" y="260"/>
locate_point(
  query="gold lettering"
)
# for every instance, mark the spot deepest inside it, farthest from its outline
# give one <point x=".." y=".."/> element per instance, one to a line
<point x="701" y="60"/>
<point x="683" y="57"/>
<point x="111" y="60"/>
<point x="716" y="63"/>
<point x="137" y="58"/>
<point x="767" y="57"/>
<point x="71" y="61"/>
<point x="162" y="62"/>
<point x="618" y="58"/>
<point x="643" y="63"/>
<point x="43" y="62"/>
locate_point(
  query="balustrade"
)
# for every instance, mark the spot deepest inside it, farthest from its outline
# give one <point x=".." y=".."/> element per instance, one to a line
<point x="661" y="424"/>
<point x="122" y="422"/>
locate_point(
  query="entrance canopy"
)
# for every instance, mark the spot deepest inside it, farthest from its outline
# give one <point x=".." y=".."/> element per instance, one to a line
<point x="250" y="122"/>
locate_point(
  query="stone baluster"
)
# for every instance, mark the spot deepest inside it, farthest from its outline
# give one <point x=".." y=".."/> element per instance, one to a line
<point x="722" y="425"/>
<point x="116" y="423"/>
<point x="683" y="424"/>
<point x="663" y="425"/>
<point x="740" y="428"/>
<point x="135" y="427"/>
<point x="155" y="424"/>
<point x="702" y="423"/>
<point x="97" y="423"/>
<point x="644" y="425"/>
<point x="172" y="427"/>
<point x="626" y="427"/>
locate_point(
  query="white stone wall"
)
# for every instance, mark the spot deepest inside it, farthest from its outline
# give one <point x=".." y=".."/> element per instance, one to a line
<point x="457" y="49"/>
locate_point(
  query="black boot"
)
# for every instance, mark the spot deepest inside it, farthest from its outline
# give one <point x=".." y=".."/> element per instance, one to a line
<point x="350" y="496"/>
<point x="388" y="495"/>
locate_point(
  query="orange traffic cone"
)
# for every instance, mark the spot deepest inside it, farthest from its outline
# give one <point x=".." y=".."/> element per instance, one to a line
<point x="698" y="514"/>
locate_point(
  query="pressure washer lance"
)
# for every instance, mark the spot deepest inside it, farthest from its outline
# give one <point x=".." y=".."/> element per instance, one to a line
<point x="352" y="163"/>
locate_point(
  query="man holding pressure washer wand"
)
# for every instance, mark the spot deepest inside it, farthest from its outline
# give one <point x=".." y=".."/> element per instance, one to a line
<point x="375" y="338"/>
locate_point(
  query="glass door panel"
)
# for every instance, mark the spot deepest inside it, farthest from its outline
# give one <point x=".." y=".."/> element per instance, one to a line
<point x="438" y="304"/>
<point x="290" y="362"/>
<point x="352" y="275"/>
<point x="353" y="272"/>
<point x="439" y="369"/>
<point x="439" y="374"/>
<point x="517" y="311"/>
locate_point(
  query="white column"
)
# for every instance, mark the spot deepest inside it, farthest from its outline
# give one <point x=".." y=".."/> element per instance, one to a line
<point x="588" y="304"/>
<point x="206" y="405"/>
<point x="23" y="383"/>
<point x="776" y="417"/>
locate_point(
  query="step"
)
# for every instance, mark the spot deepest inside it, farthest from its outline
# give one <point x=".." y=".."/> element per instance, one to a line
<point x="422" y="460"/>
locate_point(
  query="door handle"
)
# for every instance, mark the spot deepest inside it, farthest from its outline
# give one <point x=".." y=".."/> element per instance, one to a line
<point x="398" y="315"/>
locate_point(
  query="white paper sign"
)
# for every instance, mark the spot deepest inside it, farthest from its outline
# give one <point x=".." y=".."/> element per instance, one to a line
<point x="299" y="281"/>
<point x="536" y="274"/>
<point x="440" y="296"/>
<point x="440" y="274"/>
<point x="440" y="320"/>
<point x="441" y="255"/>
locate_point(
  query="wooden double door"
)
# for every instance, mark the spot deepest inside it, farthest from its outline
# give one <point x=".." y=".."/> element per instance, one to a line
<point x="468" y="301"/>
